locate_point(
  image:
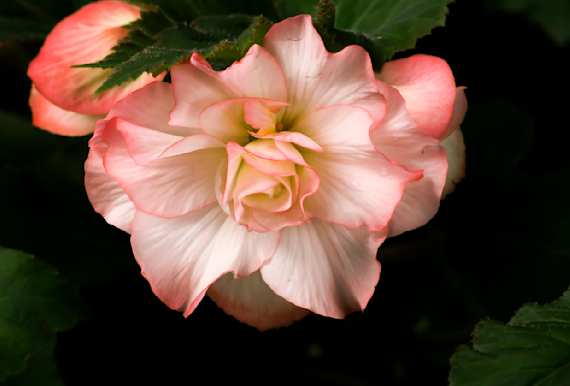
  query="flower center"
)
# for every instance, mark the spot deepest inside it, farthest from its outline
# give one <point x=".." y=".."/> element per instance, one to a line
<point x="274" y="191"/>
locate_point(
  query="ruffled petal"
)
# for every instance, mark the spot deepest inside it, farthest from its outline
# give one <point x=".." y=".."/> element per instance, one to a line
<point x="428" y="87"/>
<point x="105" y="194"/>
<point x="325" y="268"/>
<point x="251" y="301"/>
<point x="225" y="120"/>
<point x="150" y="107"/>
<point x="459" y="111"/>
<point x="455" y="149"/>
<point x="317" y="78"/>
<point x="197" y="86"/>
<point x="182" y="257"/>
<point x="86" y="36"/>
<point x="400" y="139"/>
<point x="48" y="116"/>
<point x="358" y="185"/>
<point x="162" y="187"/>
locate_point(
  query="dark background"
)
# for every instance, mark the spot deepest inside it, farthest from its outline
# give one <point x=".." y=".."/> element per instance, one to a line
<point x="500" y="240"/>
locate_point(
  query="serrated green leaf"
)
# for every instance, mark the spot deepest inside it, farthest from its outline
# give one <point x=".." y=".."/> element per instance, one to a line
<point x="397" y="24"/>
<point x="152" y="22"/>
<point x="172" y="46"/>
<point x="255" y="34"/>
<point x="143" y="33"/>
<point x="233" y="49"/>
<point x="227" y="27"/>
<point x="532" y="349"/>
<point x="215" y="37"/>
<point x="35" y="303"/>
<point x="23" y="29"/>
<point x="336" y="39"/>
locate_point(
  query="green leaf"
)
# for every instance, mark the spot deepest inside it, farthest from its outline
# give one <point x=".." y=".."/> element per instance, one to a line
<point x="228" y="27"/>
<point x="172" y="46"/>
<point x="143" y="33"/>
<point x="396" y="24"/>
<point x="35" y="303"/>
<point x="41" y="369"/>
<point x="23" y="29"/>
<point x="532" y="349"/>
<point x="221" y="39"/>
<point x="188" y="10"/>
<point x="335" y="39"/>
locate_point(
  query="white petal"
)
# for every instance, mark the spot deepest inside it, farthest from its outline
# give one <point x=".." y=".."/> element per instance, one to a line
<point x="325" y="268"/>
<point x="182" y="257"/>
<point x="251" y="301"/>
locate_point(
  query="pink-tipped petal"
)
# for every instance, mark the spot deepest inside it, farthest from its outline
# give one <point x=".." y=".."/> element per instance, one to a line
<point x="105" y="194"/>
<point x="292" y="137"/>
<point x="325" y="268"/>
<point x="296" y="215"/>
<point x="146" y="145"/>
<point x="150" y="107"/>
<point x="317" y="78"/>
<point x="197" y="86"/>
<point x="459" y="111"/>
<point x="182" y="257"/>
<point x="56" y="120"/>
<point x="86" y="36"/>
<point x="162" y="187"/>
<point x="399" y="138"/>
<point x="428" y="87"/>
<point x="455" y="149"/>
<point x="269" y="167"/>
<point x="251" y="301"/>
<point x="265" y="148"/>
<point x="257" y="115"/>
<point x="358" y="185"/>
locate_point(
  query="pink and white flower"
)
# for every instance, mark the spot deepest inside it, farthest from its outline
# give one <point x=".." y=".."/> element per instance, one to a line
<point x="62" y="97"/>
<point x="270" y="185"/>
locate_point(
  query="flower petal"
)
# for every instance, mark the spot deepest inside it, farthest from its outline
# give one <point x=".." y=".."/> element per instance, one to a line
<point x="291" y="137"/>
<point x="162" y="187"/>
<point x="197" y="86"/>
<point x="358" y="185"/>
<point x="86" y="36"/>
<point x="105" y="194"/>
<point x="182" y="257"/>
<point x="251" y="301"/>
<point x="317" y="78"/>
<point x="455" y="149"/>
<point x="325" y="268"/>
<point x="48" y="116"/>
<point x="428" y="87"/>
<point x="296" y="215"/>
<point x="225" y="120"/>
<point x="399" y="138"/>
<point x="150" y="107"/>
<point x="459" y="111"/>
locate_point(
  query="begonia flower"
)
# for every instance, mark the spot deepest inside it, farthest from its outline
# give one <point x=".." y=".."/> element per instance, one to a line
<point x="270" y="185"/>
<point x="61" y="98"/>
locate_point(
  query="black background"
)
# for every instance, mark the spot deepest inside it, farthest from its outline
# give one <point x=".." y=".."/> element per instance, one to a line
<point x="498" y="241"/>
